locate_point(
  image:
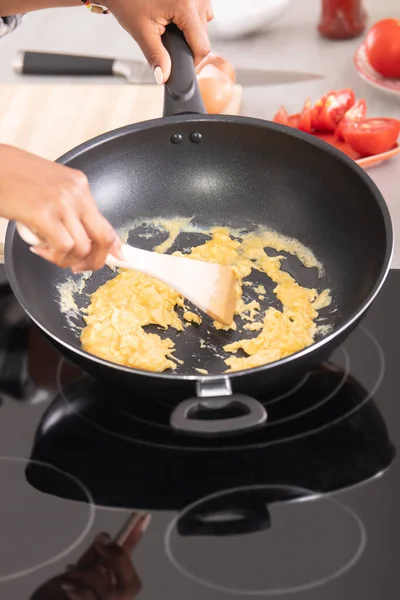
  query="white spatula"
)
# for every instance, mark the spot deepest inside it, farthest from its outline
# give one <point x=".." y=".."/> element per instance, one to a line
<point x="211" y="287"/>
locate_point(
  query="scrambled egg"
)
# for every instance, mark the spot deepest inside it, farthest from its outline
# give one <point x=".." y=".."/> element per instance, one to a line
<point x="120" y="309"/>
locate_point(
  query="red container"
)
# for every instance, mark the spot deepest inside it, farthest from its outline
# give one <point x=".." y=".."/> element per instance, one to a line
<point x="342" y="19"/>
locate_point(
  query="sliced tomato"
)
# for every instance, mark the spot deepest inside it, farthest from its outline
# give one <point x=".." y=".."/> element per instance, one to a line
<point x="372" y="136"/>
<point x="328" y="110"/>
<point x="294" y="120"/>
<point x="304" y="121"/>
<point x="281" y="116"/>
<point x="298" y="121"/>
<point x="354" y="115"/>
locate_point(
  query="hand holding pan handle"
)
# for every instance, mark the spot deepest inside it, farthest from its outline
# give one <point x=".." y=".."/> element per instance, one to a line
<point x="194" y="416"/>
<point x="181" y="91"/>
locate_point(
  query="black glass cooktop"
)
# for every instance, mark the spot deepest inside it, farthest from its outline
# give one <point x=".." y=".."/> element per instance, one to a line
<point x="306" y="506"/>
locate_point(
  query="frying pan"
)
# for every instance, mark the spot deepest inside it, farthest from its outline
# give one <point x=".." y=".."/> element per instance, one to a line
<point x="232" y="171"/>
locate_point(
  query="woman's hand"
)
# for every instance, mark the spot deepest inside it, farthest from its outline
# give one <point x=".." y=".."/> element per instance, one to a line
<point x="55" y="202"/>
<point x="146" y="21"/>
<point x="105" y="571"/>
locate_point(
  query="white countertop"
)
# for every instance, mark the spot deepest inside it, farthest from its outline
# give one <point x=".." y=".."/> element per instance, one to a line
<point x="292" y="43"/>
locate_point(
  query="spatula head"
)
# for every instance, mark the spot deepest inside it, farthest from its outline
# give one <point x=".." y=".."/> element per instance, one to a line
<point x="222" y="302"/>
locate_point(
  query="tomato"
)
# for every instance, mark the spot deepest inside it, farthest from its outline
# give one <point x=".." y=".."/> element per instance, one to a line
<point x="300" y="121"/>
<point x="281" y="116"/>
<point x="372" y="136"/>
<point x="328" y="110"/>
<point x="216" y="88"/>
<point x="304" y="122"/>
<point x="220" y="63"/>
<point x="354" y="115"/>
<point x="294" y="121"/>
<point x="383" y="47"/>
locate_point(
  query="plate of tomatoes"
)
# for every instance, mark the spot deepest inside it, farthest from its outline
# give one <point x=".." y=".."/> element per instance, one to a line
<point x="341" y="120"/>
<point x="377" y="60"/>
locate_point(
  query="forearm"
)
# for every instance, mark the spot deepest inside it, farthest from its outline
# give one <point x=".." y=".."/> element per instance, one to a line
<point x="19" y="7"/>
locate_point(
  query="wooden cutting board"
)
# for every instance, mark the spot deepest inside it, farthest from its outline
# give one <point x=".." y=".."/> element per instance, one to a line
<point x="49" y="120"/>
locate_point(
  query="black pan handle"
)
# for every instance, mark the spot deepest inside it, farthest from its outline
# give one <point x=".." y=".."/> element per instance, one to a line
<point x="186" y="416"/>
<point x="181" y="91"/>
<point x="46" y="63"/>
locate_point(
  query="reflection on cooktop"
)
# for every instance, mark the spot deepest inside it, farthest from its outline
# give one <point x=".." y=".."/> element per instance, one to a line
<point x="268" y="512"/>
<point x="342" y="442"/>
<point x="23" y="509"/>
<point x="248" y="524"/>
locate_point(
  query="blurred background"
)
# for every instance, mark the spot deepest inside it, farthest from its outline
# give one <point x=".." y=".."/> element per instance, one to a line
<point x="288" y="41"/>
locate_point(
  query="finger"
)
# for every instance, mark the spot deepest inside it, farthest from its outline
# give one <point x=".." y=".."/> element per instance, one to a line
<point x="137" y="532"/>
<point x="82" y="243"/>
<point x="116" y="249"/>
<point x="149" y="40"/>
<point x="91" y="557"/>
<point x="196" y="36"/>
<point x="102" y="237"/>
<point x="59" y="243"/>
<point x="118" y="561"/>
<point x="207" y="13"/>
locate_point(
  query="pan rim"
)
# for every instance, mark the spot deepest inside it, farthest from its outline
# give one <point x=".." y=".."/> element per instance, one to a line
<point x="155" y="123"/>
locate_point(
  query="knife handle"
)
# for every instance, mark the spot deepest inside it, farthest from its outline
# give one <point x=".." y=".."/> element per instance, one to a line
<point x="47" y="63"/>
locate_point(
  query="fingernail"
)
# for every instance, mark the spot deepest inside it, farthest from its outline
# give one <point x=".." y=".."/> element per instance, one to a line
<point x="158" y="74"/>
<point x="33" y="250"/>
<point x="145" y="523"/>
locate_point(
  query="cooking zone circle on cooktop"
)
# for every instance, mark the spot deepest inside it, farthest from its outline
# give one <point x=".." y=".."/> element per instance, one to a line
<point x="251" y="540"/>
<point x="315" y="401"/>
<point x="26" y="541"/>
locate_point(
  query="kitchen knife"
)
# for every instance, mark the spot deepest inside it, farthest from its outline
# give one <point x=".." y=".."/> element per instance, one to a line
<point x="134" y="71"/>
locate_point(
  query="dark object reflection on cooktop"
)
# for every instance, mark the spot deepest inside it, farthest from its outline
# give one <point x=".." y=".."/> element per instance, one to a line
<point x="82" y="421"/>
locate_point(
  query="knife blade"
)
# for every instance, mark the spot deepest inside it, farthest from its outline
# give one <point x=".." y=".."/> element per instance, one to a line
<point x="135" y="71"/>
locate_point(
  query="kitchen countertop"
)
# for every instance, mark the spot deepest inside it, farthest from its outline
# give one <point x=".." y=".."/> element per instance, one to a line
<point x="291" y="43"/>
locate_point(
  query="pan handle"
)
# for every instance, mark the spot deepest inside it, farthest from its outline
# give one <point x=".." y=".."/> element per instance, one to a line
<point x="195" y="415"/>
<point x="181" y="91"/>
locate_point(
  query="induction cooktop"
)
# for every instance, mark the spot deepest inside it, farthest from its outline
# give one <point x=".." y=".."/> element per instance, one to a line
<point x="306" y="506"/>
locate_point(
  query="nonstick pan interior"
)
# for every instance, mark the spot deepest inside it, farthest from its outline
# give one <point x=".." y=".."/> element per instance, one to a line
<point x="234" y="172"/>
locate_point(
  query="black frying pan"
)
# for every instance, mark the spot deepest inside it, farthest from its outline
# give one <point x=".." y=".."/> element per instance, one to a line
<point x="232" y="171"/>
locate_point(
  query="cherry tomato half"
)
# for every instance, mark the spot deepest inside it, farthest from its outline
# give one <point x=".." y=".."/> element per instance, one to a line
<point x="328" y="110"/>
<point x="300" y="121"/>
<point x="304" y="122"/>
<point x="372" y="136"/>
<point x="354" y="115"/>
<point x="281" y="116"/>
